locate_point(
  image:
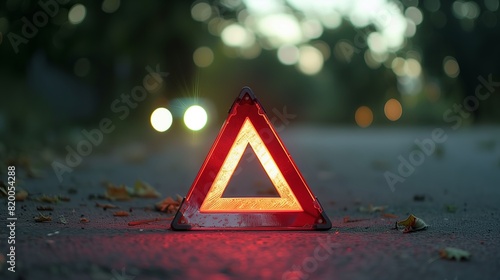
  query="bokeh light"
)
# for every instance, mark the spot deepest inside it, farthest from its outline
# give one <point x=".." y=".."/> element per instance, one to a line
<point x="203" y="56"/>
<point x="274" y="25"/>
<point x="370" y="60"/>
<point x="451" y="67"/>
<point x="77" y="14"/>
<point x="465" y="9"/>
<point x="161" y="119"/>
<point x="412" y="68"/>
<point x="398" y="66"/>
<point x="393" y="109"/>
<point x="414" y="14"/>
<point x="432" y="5"/>
<point x="363" y="116"/>
<point x="310" y="60"/>
<point x="376" y="42"/>
<point x="235" y="35"/>
<point x="110" y="6"/>
<point x="406" y="67"/>
<point x="311" y="28"/>
<point x="280" y="29"/>
<point x="201" y="11"/>
<point x="288" y="54"/>
<point x="195" y="118"/>
<point x="492" y="5"/>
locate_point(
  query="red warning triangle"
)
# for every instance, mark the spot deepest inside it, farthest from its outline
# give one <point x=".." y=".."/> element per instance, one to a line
<point x="205" y="207"/>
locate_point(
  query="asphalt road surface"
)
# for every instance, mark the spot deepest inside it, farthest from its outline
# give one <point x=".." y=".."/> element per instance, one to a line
<point x="454" y="186"/>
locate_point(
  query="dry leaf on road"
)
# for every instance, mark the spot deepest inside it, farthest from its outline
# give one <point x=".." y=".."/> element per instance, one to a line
<point x="169" y="205"/>
<point x="105" y="206"/>
<point x="412" y="224"/>
<point x="42" y="218"/>
<point x="121" y="214"/>
<point x="21" y="195"/>
<point x="47" y="199"/>
<point x="451" y="253"/>
<point x="145" y="190"/>
<point x="372" y="209"/>
<point x="117" y="192"/>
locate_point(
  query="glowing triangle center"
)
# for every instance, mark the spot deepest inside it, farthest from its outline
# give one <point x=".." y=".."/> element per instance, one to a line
<point x="214" y="202"/>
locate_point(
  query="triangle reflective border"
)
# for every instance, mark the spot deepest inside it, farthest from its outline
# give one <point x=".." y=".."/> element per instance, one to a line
<point x="204" y="208"/>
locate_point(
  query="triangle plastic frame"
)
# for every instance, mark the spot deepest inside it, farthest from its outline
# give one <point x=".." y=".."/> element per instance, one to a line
<point x="204" y="208"/>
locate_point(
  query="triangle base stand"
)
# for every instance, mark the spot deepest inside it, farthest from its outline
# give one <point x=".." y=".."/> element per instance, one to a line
<point x="179" y="223"/>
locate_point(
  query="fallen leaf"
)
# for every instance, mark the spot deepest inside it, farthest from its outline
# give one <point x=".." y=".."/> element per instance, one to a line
<point x="62" y="220"/>
<point x="412" y="224"/>
<point x="145" y="190"/>
<point x="372" y="209"/>
<point x="141" y="222"/>
<point x="21" y="195"/>
<point x="121" y="214"/>
<point x="105" y="206"/>
<point x="84" y="220"/>
<point x="117" y="192"/>
<point x="64" y="198"/>
<point x="42" y="218"/>
<point x="389" y="215"/>
<point x="347" y="219"/>
<point x="169" y="205"/>
<point x="451" y="253"/>
<point x="51" y="199"/>
<point x="44" y="208"/>
<point x="47" y="199"/>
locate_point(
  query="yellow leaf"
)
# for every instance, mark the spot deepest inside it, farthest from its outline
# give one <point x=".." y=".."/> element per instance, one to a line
<point x="410" y="221"/>
<point x="412" y="224"/>
<point x="121" y="214"/>
<point x="143" y="189"/>
<point x="21" y="195"/>
<point x="117" y="192"/>
<point x="169" y="205"/>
